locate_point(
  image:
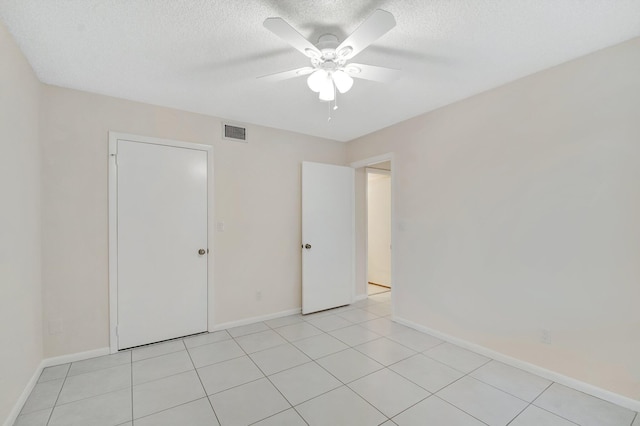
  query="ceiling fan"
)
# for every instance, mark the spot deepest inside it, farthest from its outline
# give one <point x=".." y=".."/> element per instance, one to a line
<point x="330" y="68"/>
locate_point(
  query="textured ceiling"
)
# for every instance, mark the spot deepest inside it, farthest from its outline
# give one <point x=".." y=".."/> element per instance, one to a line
<point x="204" y="55"/>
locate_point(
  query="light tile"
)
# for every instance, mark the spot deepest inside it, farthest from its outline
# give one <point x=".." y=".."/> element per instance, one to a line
<point x="206" y="338"/>
<point x="112" y="408"/>
<point x="157" y="349"/>
<point x="282" y="321"/>
<point x="169" y="392"/>
<point x="581" y="408"/>
<point x="215" y="352"/>
<point x="340" y="406"/>
<point x="53" y="373"/>
<point x="354" y="335"/>
<point x="320" y="345"/>
<point x="196" y="413"/>
<point x="388" y="423"/>
<point x="384" y="326"/>
<point x="304" y="382"/>
<point x="636" y="422"/>
<point x="381" y="310"/>
<point x="434" y="411"/>
<point x="457" y="357"/>
<point x="99" y="363"/>
<point x="415" y="340"/>
<point x="349" y="365"/>
<point x="388" y="392"/>
<point x="482" y="401"/>
<point x="95" y="383"/>
<point x="43" y="396"/>
<point x="512" y="380"/>
<point x="247" y="329"/>
<point x="426" y="372"/>
<point x="37" y="418"/>
<point x="341" y="309"/>
<point x="330" y="322"/>
<point x="227" y="374"/>
<point x="365" y="302"/>
<point x="280" y="358"/>
<point x="358" y="315"/>
<point x="161" y="366"/>
<point x="259" y="341"/>
<point x="534" y="416"/>
<point x="286" y="418"/>
<point x="248" y="403"/>
<point x="319" y="314"/>
<point x="298" y="331"/>
<point x="381" y="297"/>
<point x="385" y="351"/>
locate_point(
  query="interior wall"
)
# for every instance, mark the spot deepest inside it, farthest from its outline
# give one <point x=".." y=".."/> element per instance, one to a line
<point x="257" y="196"/>
<point x="517" y="212"/>
<point x="379" y="228"/>
<point x="20" y="280"/>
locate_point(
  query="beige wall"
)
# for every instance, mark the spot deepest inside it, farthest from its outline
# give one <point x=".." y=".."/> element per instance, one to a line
<point x="517" y="211"/>
<point x="257" y="196"/>
<point x="20" y="235"/>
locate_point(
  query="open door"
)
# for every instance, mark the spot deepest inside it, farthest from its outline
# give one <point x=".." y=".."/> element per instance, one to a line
<point x="328" y="236"/>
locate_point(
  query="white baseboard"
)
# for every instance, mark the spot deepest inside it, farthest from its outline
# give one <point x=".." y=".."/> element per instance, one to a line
<point x="15" y="411"/>
<point x="48" y="362"/>
<point x="251" y="320"/>
<point x="64" y="359"/>
<point x="359" y="297"/>
<point x="587" y="388"/>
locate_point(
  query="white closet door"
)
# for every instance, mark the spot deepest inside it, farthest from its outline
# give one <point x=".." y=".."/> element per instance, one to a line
<point x="328" y="236"/>
<point x="162" y="242"/>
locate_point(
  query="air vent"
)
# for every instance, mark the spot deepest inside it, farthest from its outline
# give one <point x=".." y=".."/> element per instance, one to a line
<point x="234" y="133"/>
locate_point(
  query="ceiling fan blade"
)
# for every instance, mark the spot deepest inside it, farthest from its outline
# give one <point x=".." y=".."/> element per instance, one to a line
<point x="376" y="25"/>
<point x="286" y="32"/>
<point x="372" y="72"/>
<point x="279" y="76"/>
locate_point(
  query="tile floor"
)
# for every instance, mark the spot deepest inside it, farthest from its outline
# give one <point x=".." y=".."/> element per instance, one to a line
<point x="348" y="366"/>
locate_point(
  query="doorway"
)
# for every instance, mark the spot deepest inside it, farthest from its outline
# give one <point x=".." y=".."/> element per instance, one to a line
<point x="378" y="228"/>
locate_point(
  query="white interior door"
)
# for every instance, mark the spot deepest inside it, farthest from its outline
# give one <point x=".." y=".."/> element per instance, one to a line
<point x="328" y="236"/>
<point x="161" y="227"/>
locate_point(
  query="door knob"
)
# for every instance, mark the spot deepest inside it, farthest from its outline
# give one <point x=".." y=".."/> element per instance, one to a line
<point x="201" y="252"/>
<point x="307" y="246"/>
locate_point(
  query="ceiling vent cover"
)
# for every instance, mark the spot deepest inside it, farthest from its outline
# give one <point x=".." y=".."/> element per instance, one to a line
<point x="234" y="133"/>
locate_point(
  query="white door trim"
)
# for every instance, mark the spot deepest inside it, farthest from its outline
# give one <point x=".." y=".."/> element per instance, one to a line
<point x="113" y="225"/>
<point x="389" y="156"/>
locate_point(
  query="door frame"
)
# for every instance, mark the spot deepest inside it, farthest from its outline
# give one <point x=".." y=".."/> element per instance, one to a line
<point x="363" y="163"/>
<point x="114" y="137"/>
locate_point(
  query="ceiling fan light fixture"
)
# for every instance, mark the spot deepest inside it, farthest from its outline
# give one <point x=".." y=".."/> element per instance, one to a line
<point x="317" y="80"/>
<point x="342" y="80"/>
<point x="327" y="93"/>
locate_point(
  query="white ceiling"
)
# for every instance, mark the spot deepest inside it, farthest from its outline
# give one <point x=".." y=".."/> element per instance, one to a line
<point x="204" y="55"/>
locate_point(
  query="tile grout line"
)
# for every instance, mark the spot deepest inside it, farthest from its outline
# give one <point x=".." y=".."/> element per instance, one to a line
<point x="272" y="384"/>
<point x="544" y="409"/>
<point x="201" y="384"/>
<point x="59" y="392"/>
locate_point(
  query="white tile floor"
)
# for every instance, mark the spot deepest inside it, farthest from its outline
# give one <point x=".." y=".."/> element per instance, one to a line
<point x="349" y="366"/>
